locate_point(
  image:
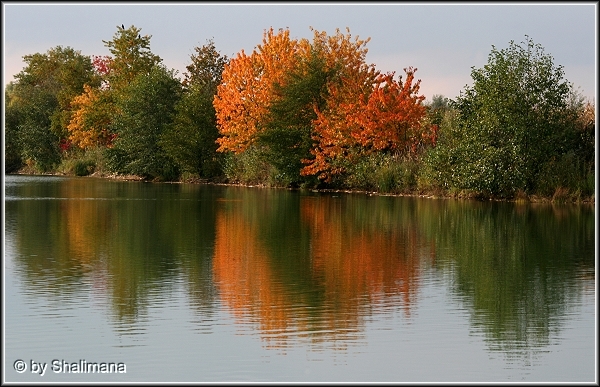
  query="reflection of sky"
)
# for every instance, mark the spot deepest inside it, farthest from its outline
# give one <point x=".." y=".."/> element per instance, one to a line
<point x="171" y="342"/>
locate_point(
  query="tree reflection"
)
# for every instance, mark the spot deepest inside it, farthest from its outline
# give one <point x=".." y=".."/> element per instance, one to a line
<point x="301" y="268"/>
<point x="517" y="267"/>
<point x="343" y="268"/>
<point x="126" y="241"/>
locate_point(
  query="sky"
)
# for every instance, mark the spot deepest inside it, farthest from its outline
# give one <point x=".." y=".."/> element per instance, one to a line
<point x="444" y="41"/>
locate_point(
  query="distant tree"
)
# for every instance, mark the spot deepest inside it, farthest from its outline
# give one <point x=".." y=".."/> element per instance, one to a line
<point x="12" y="146"/>
<point x="436" y="109"/>
<point x="40" y="107"/>
<point x="206" y="68"/>
<point x="146" y="108"/>
<point x="95" y="109"/>
<point x="39" y="146"/>
<point x="90" y="124"/>
<point x="191" y="139"/>
<point x="131" y="55"/>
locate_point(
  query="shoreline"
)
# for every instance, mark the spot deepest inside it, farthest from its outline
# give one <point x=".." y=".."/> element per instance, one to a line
<point x="527" y="199"/>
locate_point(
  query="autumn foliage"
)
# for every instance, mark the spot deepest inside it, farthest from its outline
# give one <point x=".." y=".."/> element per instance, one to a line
<point x="90" y="122"/>
<point x="386" y="119"/>
<point x="247" y="89"/>
<point x="364" y="110"/>
<point x="350" y="266"/>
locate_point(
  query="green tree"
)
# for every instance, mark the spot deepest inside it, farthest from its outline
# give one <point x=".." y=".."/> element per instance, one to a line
<point x="131" y="55"/>
<point x="12" y="148"/>
<point x="147" y="108"/>
<point x="437" y="108"/>
<point x="191" y="140"/>
<point x="287" y="136"/>
<point x="94" y="110"/>
<point x="206" y="68"/>
<point x="38" y="107"/>
<point x="517" y="116"/>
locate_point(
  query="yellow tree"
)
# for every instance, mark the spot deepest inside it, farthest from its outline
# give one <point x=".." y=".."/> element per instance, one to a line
<point x="90" y="122"/>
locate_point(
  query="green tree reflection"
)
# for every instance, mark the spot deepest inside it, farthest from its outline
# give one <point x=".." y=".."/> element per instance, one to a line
<point x="519" y="268"/>
<point x="301" y="267"/>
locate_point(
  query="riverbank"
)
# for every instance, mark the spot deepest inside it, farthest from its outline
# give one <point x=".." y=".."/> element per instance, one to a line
<point x="561" y="195"/>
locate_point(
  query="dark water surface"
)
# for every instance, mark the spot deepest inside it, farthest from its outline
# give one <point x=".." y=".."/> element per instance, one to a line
<point x="191" y="283"/>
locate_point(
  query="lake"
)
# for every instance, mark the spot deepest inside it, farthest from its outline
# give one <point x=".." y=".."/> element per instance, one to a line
<point x="118" y="281"/>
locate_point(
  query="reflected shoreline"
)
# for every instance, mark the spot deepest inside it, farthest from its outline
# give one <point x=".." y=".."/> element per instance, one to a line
<point x="300" y="268"/>
<point x="438" y="195"/>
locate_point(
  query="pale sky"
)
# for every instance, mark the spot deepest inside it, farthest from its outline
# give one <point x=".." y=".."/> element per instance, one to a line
<point x="442" y="40"/>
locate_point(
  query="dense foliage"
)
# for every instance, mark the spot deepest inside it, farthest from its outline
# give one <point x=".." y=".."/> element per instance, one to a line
<point x="302" y="113"/>
<point x="38" y="106"/>
<point x="516" y="129"/>
<point x="191" y="139"/>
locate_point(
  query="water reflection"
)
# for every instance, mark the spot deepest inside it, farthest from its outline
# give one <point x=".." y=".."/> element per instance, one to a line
<point x="520" y="269"/>
<point x="297" y="269"/>
<point x="121" y="241"/>
<point x="305" y="268"/>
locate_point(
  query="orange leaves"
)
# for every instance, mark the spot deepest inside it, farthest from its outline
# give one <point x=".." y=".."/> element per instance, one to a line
<point x="383" y="117"/>
<point x="247" y="89"/>
<point x="236" y="116"/>
<point x="89" y="125"/>
<point x="391" y="114"/>
<point x="364" y="110"/>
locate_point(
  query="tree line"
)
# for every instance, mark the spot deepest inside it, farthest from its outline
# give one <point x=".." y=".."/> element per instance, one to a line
<point x="302" y="113"/>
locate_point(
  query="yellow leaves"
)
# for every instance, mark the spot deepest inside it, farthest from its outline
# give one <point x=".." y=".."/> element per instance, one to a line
<point x="89" y="125"/>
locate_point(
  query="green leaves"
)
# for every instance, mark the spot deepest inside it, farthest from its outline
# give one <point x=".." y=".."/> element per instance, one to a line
<point x="40" y="106"/>
<point x="131" y="56"/>
<point x="514" y="118"/>
<point x="147" y="107"/>
<point x="287" y="135"/>
<point x="191" y="140"/>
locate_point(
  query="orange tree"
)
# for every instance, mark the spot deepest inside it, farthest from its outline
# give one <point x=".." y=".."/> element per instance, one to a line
<point x="247" y="89"/>
<point x="90" y="123"/>
<point x="383" y="117"/>
<point x="314" y="106"/>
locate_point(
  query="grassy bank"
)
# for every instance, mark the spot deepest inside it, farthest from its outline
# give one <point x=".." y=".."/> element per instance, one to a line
<point x="375" y="175"/>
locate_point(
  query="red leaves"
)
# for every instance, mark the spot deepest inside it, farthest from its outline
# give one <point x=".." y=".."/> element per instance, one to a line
<point x="102" y="64"/>
<point x="386" y="119"/>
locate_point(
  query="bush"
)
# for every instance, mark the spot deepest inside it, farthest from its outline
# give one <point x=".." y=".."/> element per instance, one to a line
<point x="84" y="167"/>
<point x="566" y="171"/>
<point x="249" y="167"/>
<point x="383" y="173"/>
<point x="80" y="163"/>
<point x="519" y="114"/>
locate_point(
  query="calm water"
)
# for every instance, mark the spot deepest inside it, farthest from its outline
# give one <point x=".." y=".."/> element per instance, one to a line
<point x="189" y="283"/>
